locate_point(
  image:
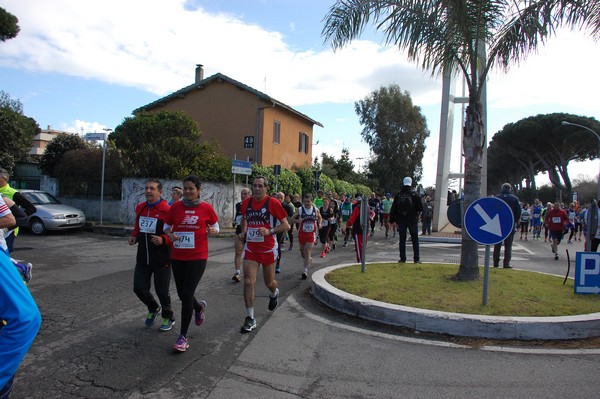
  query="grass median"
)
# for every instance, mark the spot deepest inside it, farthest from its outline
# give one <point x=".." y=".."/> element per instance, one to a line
<point x="432" y="286"/>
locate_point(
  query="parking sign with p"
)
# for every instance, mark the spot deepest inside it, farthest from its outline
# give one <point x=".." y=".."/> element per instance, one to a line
<point x="587" y="273"/>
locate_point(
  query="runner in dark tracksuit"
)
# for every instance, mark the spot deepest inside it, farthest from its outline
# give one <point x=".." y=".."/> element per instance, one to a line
<point x="153" y="255"/>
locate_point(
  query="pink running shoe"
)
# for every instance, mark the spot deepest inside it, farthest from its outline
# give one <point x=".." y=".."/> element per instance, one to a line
<point x="199" y="316"/>
<point x="182" y="344"/>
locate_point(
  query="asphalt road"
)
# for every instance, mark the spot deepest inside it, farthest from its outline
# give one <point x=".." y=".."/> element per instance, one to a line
<point x="93" y="343"/>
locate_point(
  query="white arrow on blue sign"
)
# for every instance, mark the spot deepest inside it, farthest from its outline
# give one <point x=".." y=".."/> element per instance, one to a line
<point x="489" y="220"/>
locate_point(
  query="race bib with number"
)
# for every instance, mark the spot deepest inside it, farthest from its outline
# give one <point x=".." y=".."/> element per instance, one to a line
<point x="325" y="223"/>
<point x="308" y="227"/>
<point x="185" y="241"/>
<point x="556" y="219"/>
<point x="148" y="224"/>
<point x="253" y="235"/>
<point x="345" y="212"/>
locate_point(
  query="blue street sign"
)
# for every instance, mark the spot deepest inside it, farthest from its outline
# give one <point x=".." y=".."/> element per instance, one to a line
<point x="587" y="273"/>
<point x="241" y="167"/>
<point x="489" y="220"/>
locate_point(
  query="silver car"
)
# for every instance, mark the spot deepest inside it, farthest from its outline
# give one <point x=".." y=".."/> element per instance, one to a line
<point x="51" y="214"/>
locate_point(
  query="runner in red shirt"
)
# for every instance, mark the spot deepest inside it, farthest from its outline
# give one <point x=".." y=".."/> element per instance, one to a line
<point x="309" y="220"/>
<point x="259" y="216"/>
<point x="190" y="221"/>
<point x="556" y="219"/>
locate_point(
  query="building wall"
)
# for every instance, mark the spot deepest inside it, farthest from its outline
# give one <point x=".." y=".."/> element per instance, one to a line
<point x="227" y="113"/>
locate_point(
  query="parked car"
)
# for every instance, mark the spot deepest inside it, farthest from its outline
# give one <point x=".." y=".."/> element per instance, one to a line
<point x="51" y="214"/>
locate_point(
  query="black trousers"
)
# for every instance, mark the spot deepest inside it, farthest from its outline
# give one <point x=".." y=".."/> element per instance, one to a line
<point x="187" y="274"/>
<point x="413" y="229"/>
<point x="142" y="281"/>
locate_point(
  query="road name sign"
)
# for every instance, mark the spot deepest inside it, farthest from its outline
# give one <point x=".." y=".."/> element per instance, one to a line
<point x="241" y="167"/>
<point x="489" y="220"/>
<point x="587" y="273"/>
<point x="95" y="136"/>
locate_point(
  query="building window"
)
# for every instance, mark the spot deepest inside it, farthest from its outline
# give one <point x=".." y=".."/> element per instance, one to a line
<point x="303" y="143"/>
<point x="276" y="132"/>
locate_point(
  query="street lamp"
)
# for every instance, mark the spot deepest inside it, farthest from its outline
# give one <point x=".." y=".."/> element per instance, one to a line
<point x="565" y="123"/>
<point x="107" y="130"/>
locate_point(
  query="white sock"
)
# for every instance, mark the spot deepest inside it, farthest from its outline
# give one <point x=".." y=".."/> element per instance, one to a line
<point x="250" y="312"/>
<point x="274" y="294"/>
<point x="237" y="272"/>
<point x="306" y="270"/>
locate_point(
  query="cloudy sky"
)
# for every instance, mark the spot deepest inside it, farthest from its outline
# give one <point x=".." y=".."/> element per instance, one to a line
<point x="82" y="66"/>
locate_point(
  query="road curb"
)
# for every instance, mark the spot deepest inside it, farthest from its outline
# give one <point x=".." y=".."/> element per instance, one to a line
<point x="457" y="324"/>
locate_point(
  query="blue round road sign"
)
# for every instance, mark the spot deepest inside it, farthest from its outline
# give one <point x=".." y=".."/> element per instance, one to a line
<point x="489" y="220"/>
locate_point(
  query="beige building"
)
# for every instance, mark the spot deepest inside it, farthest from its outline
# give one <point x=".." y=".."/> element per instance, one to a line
<point x="41" y="140"/>
<point x="249" y="124"/>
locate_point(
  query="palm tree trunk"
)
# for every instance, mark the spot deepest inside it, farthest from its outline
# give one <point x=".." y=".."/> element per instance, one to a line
<point x="473" y="144"/>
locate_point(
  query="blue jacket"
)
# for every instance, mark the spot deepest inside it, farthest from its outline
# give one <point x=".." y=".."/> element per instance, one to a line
<point x="22" y="317"/>
<point x="513" y="203"/>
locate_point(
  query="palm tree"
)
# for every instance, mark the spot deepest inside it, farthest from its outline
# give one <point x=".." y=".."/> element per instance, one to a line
<point x="444" y="36"/>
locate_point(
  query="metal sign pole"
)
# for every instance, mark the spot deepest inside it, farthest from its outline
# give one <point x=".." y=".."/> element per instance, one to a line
<point x="364" y="218"/>
<point x="102" y="183"/>
<point x="486" y="275"/>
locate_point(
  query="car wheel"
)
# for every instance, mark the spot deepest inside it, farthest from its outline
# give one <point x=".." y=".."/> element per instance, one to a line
<point x="37" y="226"/>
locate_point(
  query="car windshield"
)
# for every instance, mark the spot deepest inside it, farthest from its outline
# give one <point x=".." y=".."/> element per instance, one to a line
<point x="40" y="198"/>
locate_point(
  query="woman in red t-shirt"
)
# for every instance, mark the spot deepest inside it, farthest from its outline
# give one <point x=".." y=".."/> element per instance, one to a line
<point x="190" y="221"/>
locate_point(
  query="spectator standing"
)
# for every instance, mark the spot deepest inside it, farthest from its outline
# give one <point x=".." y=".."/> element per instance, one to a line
<point x="513" y="202"/>
<point x="427" y="216"/>
<point x="405" y="212"/>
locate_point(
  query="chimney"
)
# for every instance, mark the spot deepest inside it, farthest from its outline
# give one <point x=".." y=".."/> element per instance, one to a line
<point x="199" y="73"/>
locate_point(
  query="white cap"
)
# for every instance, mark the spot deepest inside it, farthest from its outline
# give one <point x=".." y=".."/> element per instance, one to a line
<point x="407" y="181"/>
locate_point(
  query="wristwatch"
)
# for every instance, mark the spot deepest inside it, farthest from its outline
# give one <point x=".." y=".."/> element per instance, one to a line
<point x="272" y="231"/>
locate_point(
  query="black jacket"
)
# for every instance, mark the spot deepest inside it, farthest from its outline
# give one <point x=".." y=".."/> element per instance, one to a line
<point x="396" y="215"/>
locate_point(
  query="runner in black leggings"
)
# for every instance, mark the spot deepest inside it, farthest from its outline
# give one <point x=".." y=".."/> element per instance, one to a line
<point x="190" y="221"/>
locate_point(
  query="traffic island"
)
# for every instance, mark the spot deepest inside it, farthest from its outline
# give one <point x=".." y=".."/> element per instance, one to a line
<point x="456" y="324"/>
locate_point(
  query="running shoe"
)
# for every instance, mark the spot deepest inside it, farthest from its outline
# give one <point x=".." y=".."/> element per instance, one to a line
<point x="323" y="254"/>
<point x="166" y="325"/>
<point x="326" y="248"/>
<point x="277" y="269"/>
<point x="151" y="318"/>
<point x="555" y="256"/>
<point x="182" y="344"/>
<point x="273" y="301"/>
<point x="304" y="276"/>
<point x="249" y="324"/>
<point x="29" y="266"/>
<point x="291" y="246"/>
<point x="345" y="243"/>
<point x="199" y="315"/>
<point x="236" y="277"/>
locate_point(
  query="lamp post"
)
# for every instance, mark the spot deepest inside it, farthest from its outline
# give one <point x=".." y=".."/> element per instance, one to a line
<point x="107" y="130"/>
<point x="565" y="123"/>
